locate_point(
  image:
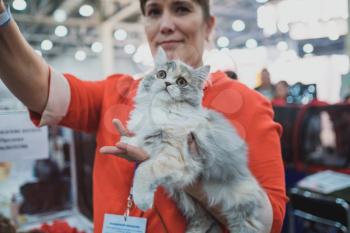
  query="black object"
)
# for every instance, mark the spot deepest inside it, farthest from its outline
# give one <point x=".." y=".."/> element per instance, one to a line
<point x="322" y="213"/>
<point x="310" y="148"/>
<point x="46" y="170"/>
<point x="45" y="196"/>
<point x="85" y="146"/>
<point x="286" y="116"/>
<point x="301" y="93"/>
<point x="6" y="226"/>
<point x="50" y="193"/>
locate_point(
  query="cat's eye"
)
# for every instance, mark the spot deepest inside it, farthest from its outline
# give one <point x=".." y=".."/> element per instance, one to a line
<point x="181" y="82"/>
<point x="161" y="74"/>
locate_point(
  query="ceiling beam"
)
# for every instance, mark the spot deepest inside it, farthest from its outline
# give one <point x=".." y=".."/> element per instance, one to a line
<point x="128" y="11"/>
<point x="69" y="6"/>
<point x="74" y="22"/>
<point x="46" y="20"/>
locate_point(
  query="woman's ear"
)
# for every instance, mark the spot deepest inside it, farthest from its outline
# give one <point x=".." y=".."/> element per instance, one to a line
<point x="211" y="22"/>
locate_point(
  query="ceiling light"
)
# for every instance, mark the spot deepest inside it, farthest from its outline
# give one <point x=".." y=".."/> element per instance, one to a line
<point x="262" y="1"/>
<point x="283" y="27"/>
<point x="251" y="43"/>
<point x="223" y="42"/>
<point x="334" y="36"/>
<point x="86" y="10"/>
<point x="143" y="55"/>
<point x="120" y="34"/>
<point x="46" y="45"/>
<point x="238" y="25"/>
<point x="308" y="48"/>
<point x="80" y="55"/>
<point x="61" y="31"/>
<point x="282" y="46"/>
<point x="19" y="5"/>
<point x="97" y="47"/>
<point x="136" y="58"/>
<point x="60" y="15"/>
<point x="129" y="49"/>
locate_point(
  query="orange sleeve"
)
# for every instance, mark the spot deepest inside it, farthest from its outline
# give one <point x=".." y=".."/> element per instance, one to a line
<point x="85" y="104"/>
<point x="265" y="159"/>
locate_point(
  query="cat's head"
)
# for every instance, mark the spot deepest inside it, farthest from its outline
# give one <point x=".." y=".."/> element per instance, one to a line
<point x="173" y="80"/>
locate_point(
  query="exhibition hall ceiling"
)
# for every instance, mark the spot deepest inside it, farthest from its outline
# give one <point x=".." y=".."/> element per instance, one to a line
<point x="52" y="26"/>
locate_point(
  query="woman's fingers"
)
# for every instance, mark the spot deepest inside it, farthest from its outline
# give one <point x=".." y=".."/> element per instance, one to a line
<point x="125" y="151"/>
<point x="135" y="153"/>
<point x="192" y="144"/>
<point x="121" y="129"/>
<point x="112" y="150"/>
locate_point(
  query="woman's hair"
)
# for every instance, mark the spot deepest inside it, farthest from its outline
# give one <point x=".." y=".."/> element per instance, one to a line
<point x="203" y="3"/>
<point x="283" y="82"/>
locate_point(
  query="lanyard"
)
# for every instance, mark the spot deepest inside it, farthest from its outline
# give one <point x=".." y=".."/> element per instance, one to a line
<point x="130" y="201"/>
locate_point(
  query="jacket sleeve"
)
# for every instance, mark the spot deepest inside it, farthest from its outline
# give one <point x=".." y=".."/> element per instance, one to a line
<point x="72" y="103"/>
<point x="265" y="159"/>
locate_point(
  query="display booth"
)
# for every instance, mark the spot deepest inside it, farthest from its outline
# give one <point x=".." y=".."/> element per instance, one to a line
<point x="45" y="175"/>
<point x="316" y="151"/>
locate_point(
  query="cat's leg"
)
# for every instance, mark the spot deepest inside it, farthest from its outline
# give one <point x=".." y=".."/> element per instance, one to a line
<point x="242" y="217"/>
<point x="167" y="169"/>
<point x="143" y="186"/>
<point x="198" y="219"/>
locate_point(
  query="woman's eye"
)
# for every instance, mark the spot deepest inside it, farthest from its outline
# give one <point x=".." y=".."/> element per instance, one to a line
<point x="181" y="82"/>
<point x="153" y="12"/>
<point x="161" y="74"/>
<point x="181" y="10"/>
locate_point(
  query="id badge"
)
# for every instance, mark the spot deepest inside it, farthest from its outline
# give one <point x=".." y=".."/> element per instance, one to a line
<point x="119" y="224"/>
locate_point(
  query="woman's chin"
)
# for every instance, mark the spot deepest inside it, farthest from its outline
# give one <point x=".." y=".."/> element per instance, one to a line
<point x="183" y="52"/>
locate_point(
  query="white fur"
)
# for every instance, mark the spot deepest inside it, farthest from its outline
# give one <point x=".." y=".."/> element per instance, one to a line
<point x="162" y="121"/>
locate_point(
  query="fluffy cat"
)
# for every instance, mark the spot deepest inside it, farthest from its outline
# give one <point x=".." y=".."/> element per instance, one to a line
<point x="168" y="109"/>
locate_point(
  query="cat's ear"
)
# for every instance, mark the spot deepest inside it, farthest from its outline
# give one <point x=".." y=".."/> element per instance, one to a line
<point x="161" y="57"/>
<point x="202" y="72"/>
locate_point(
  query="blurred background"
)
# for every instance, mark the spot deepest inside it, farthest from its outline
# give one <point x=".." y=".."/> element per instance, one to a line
<point x="297" y="40"/>
<point x="295" y="52"/>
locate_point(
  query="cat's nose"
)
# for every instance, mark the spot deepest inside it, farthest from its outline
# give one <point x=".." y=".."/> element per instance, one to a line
<point x="167" y="84"/>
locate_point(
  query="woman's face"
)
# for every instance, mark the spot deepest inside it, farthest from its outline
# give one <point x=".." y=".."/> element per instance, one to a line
<point x="178" y="26"/>
<point x="281" y="90"/>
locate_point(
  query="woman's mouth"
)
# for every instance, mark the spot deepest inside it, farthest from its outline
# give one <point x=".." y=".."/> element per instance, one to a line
<point x="170" y="44"/>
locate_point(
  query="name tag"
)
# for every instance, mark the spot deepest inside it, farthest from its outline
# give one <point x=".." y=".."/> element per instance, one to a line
<point x="117" y="224"/>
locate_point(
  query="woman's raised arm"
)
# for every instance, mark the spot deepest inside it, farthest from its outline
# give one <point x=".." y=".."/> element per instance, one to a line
<point x="22" y="70"/>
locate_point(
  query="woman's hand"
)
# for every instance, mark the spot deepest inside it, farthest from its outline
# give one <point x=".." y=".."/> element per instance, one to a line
<point x="2" y="6"/>
<point x="124" y="150"/>
<point x="196" y="191"/>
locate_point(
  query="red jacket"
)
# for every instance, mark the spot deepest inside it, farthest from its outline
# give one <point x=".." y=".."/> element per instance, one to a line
<point x="93" y="105"/>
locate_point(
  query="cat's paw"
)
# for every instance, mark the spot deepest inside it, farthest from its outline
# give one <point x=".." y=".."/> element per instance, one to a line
<point x="144" y="201"/>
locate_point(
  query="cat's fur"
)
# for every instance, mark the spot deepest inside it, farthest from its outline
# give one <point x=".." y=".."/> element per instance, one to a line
<point x="162" y="119"/>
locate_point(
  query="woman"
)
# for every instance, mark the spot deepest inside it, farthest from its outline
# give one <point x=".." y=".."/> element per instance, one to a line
<point x="266" y="88"/>
<point x="281" y="93"/>
<point x="181" y="28"/>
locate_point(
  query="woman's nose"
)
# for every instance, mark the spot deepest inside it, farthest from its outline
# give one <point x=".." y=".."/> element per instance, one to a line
<point x="167" y="25"/>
